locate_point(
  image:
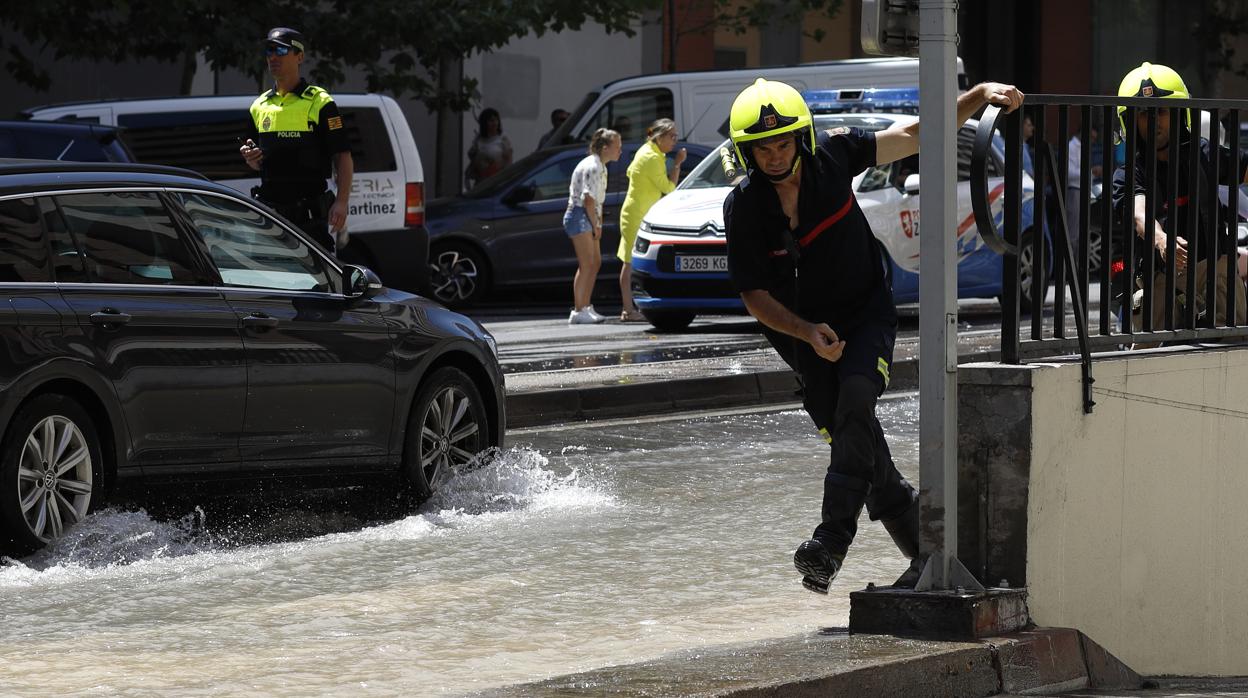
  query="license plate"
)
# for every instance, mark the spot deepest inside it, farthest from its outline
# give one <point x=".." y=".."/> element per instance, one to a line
<point x="688" y="262"/>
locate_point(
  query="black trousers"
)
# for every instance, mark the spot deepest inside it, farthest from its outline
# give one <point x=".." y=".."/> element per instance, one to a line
<point x="310" y="214"/>
<point x="840" y="397"/>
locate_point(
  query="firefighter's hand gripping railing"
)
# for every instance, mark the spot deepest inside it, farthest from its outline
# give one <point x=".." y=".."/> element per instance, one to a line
<point x="1008" y="244"/>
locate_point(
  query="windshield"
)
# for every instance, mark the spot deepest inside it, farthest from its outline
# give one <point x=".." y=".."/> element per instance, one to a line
<point x="710" y="172"/>
<point x="506" y="177"/>
<point x="560" y="136"/>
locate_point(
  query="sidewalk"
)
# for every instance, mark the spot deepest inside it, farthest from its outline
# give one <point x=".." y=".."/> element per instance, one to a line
<point x="559" y="374"/>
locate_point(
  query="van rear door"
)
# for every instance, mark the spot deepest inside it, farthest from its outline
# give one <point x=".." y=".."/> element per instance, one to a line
<point x="378" y="189"/>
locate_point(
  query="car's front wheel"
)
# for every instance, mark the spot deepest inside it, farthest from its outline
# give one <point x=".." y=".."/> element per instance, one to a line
<point x="50" y="472"/>
<point x="446" y="430"/>
<point x="458" y="273"/>
<point x="1027" y="268"/>
<point x="669" y="320"/>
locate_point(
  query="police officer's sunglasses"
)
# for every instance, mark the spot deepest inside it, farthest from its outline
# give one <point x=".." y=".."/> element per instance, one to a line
<point x="274" y="50"/>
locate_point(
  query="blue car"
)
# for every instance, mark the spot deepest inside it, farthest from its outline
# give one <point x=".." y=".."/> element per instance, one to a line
<point x="507" y="232"/>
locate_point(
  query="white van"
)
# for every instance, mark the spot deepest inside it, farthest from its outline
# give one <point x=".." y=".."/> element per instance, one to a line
<point x="700" y="101"/>
<point x="387" y="216"/>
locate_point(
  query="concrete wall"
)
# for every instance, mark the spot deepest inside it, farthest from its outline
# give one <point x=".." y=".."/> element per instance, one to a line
<point x="531" y="76"/>
<point x="1134" y="515"/>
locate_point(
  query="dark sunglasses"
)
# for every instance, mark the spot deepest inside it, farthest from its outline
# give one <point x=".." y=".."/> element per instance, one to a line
<point x="272" y="50"/>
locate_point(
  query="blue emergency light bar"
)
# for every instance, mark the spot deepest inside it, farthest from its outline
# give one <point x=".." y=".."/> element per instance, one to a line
<point x="897" y="100"/>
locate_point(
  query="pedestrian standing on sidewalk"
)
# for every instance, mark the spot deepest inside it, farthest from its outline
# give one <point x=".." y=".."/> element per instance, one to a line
<point x="490" y="150"/>
<point x="583" y="220"/>
<point x="296" y="139"/>
<point x="1074" y="155"/>
<point x="808" y="267"/>
<point x="649" y="180"/>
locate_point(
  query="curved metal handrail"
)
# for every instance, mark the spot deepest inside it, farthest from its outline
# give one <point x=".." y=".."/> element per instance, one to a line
<point x="980" y="152"/>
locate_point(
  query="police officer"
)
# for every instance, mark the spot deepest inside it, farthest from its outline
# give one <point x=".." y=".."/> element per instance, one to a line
<point x="808" y="267"/>
<point x="296" y="135"/>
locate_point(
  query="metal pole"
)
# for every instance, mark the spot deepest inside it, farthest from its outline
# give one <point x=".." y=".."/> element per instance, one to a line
<point x="938" y="316"/>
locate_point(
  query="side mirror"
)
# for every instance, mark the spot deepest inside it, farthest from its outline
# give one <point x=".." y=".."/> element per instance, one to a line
<point x="911" y="184"/>
<point x="360" y="283"/>
<point x="519" y="195"/>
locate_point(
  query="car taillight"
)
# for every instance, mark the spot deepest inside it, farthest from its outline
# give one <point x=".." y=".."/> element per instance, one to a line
<point x="414" y="210"/>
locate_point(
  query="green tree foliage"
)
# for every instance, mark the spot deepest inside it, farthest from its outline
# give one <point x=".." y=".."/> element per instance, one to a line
<point x="396" y="44"/>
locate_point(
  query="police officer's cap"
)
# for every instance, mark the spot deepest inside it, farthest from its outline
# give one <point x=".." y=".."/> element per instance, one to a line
<point x="285" y="36"/>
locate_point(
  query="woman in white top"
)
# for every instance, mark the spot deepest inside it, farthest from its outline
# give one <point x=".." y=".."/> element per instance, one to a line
<point x="583" y="220"/>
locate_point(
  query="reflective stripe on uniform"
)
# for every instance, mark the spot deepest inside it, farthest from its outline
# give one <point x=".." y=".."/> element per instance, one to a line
<point x="882" y="366"/>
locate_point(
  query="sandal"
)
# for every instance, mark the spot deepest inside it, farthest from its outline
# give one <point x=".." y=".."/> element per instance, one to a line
<point x="633" y="316"/>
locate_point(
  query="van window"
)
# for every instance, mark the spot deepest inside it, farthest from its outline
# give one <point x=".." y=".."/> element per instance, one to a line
<point x="966" y="141"/>
<point x="204" y="141"/>
<point x="23" y="254"/>
<point x="128" y="238"/>
<point x="207" y="141"/>
<point x="371" y="150"/>
<point x="631" y="113"/>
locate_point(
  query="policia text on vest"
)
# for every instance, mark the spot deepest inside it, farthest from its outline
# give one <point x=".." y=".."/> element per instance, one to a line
<point x="297" y="141"/>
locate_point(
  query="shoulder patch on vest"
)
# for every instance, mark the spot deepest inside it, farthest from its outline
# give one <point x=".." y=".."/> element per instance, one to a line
<point x="838" y="131"/>
<point x="334" y="123"/>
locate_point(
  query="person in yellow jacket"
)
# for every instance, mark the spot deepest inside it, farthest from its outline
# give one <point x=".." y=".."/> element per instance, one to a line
<point x="648" y="180"/>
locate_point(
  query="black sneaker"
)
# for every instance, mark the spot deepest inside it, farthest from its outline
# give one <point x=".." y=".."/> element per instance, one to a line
<point x="817" y="565"/>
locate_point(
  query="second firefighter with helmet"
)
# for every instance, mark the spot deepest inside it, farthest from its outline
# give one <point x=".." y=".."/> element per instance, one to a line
<point x="1212" y="243"/>
<point x="807" y="266"/>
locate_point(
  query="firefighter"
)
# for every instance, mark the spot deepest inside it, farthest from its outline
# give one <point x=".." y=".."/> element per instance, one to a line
<point x="808" y="267"/>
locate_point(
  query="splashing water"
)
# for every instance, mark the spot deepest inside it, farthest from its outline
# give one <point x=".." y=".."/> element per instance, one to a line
<point x="496" y="482"/>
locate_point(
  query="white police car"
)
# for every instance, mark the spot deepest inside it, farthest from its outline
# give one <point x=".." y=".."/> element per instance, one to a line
<point x="680" y="263"/>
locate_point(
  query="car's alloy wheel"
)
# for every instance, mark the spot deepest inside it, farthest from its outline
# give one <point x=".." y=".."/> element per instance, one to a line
<point x="1026" y="268"/>
<point x="458" y="275"/>
<point x="447" y="429"/>
<point x="50" y="469"/>
<point x="1094" y="251"/>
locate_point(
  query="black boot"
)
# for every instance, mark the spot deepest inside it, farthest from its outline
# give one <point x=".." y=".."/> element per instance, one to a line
<point x="817" y="564"/>
<point x="904" y="531"/>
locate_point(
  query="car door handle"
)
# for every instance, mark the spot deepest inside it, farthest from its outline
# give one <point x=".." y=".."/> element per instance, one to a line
<point x="108" y="316"/>
<point x="259" y="321"/>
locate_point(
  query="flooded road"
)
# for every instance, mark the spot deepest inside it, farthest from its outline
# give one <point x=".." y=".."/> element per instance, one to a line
<point x="577" y="548"/>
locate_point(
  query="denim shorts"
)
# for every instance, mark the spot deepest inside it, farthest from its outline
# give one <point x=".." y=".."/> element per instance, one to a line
<point x="576" y="221"/>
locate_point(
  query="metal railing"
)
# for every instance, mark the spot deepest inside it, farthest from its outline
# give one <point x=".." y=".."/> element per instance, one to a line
<point x="1188" y="201"/>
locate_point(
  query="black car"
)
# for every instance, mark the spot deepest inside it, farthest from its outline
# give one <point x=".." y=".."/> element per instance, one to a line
<point x="160" y="328"/>
<point x="508" y="231"/>
<point x="59" y="140"/>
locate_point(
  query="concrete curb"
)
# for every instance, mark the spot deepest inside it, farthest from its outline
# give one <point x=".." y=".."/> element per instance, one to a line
<point x="726" y="390"/>
<point x="1036" y="662"/>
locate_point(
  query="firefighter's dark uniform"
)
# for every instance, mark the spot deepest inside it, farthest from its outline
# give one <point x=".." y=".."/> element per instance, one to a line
<point x="300" y="132"/>
<point x="830" y="269"/>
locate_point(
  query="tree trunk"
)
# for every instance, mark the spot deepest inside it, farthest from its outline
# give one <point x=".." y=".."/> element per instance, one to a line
<point x="448" y="162"/>
<point x="189" y="62"/>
